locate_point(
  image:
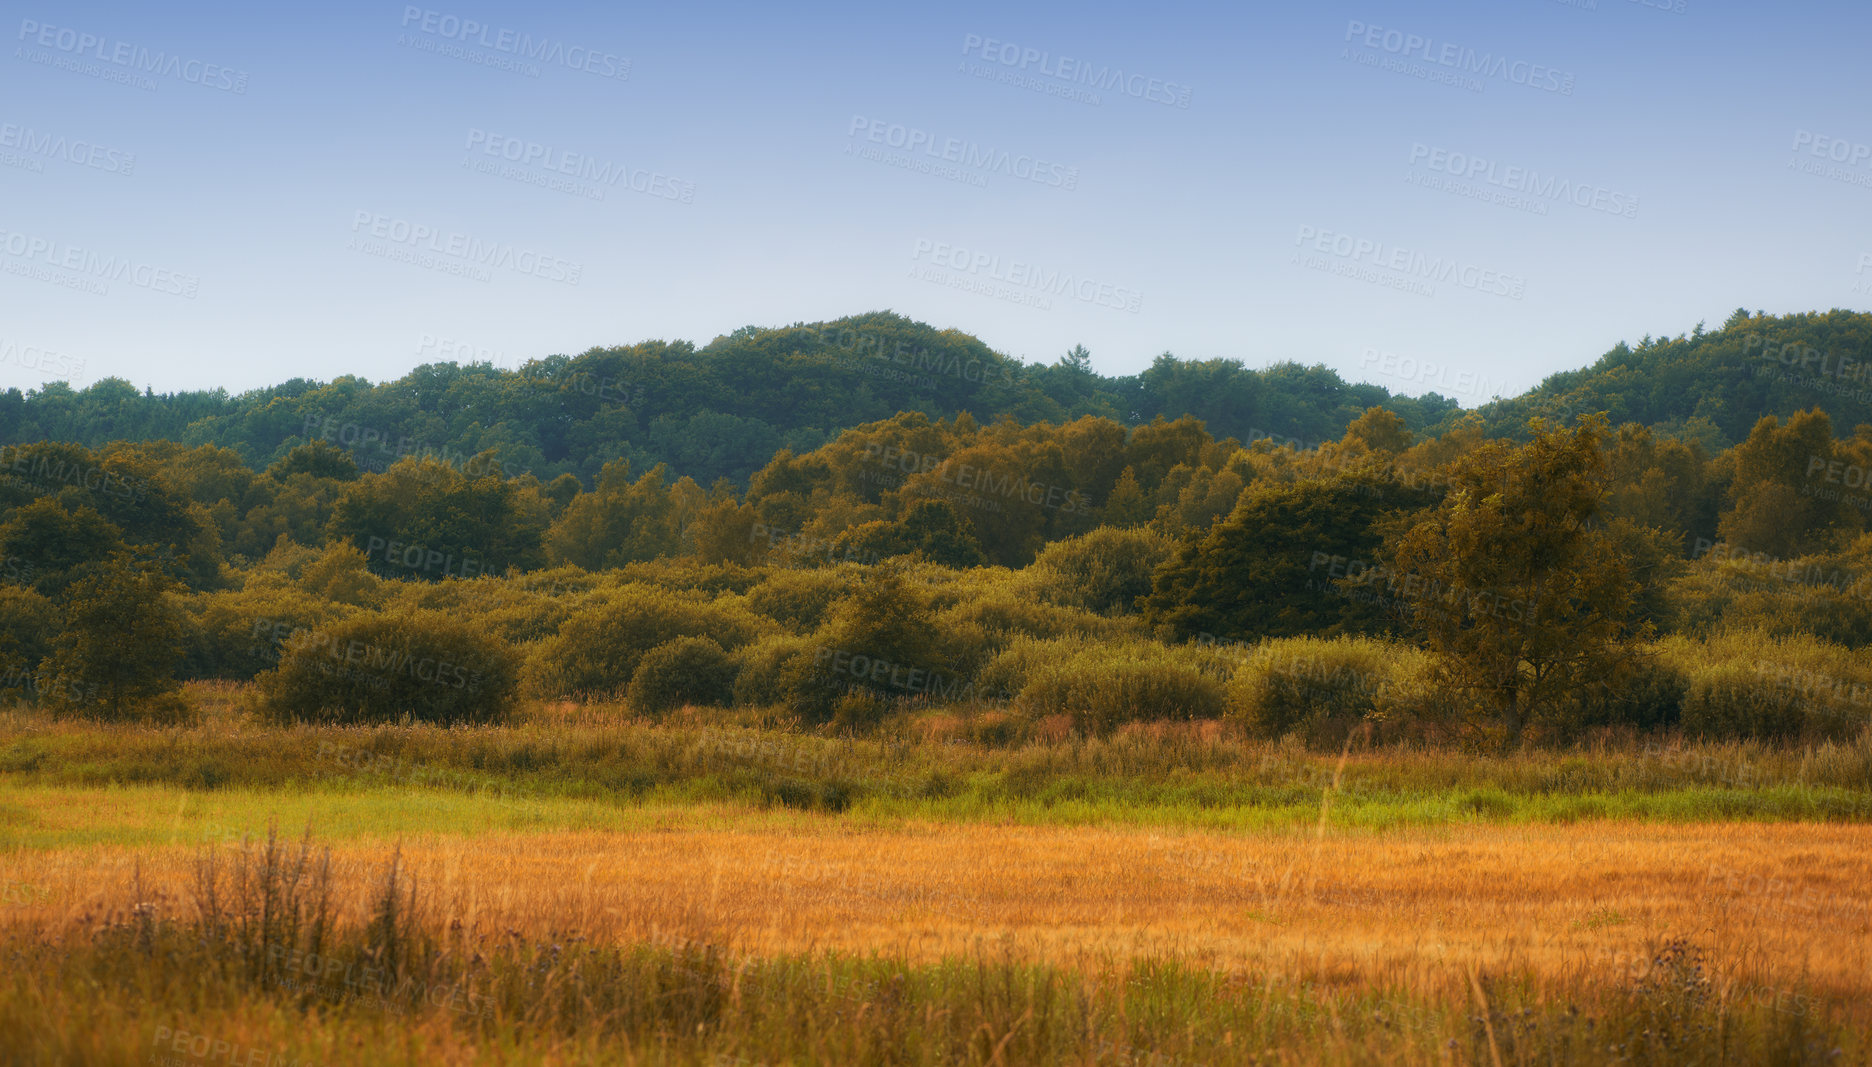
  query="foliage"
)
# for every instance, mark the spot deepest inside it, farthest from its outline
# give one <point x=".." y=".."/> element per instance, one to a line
<point x="427" y="520"/>
<point x="1083" y="513"/>
<point x="118" y="644"/>
<point x="420" y="666"/>
<point x="1103" y="686"/>
<point x="597" y="649"/>
<point x="1524" y="598"/>
<point x="1107" y="570"/>
<point x="1271" y="568"/>
<point x="1749" y="683"/>
<point x="1324" y="689"/>
<point x="688" y="670"/>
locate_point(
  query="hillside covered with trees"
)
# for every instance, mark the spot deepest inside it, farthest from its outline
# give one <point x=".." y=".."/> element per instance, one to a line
<point x="1435" y="583"/>
<point x="718" y="411"/>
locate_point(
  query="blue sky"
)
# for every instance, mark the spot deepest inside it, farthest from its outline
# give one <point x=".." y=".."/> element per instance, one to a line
<point x="1463" y="197"/>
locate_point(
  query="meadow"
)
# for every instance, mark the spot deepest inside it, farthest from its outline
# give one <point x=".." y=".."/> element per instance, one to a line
<point x="581" y="885"/>
<point x="1452" y="751"/>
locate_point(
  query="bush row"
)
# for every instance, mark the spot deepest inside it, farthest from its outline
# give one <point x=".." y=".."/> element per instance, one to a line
<point x="850" y="645"/>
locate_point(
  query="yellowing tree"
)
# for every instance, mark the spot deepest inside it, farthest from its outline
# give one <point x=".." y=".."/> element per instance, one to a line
<point x="1784" y="504"/>
<point x="1522" y="592"/>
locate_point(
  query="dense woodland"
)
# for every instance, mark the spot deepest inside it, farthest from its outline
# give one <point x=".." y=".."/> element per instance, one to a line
<point x="844" y="523"/>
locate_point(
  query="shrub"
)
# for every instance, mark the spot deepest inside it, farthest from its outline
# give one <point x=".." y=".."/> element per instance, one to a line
<point x="1731" y="700"/>
<point x="980" y="616"/>
<point x="881" y="642"/>
<point x="1105" y="571"/>
<point x="710" y="579"/>
<point x="236" y="634"/>
<point x="27" y="626"/>
<point x="760" y="680"/>
<point x="1308" y="684"/>
<point x="1648" y="695"/>
<point x="1102" y="686"/>
<point x="1005" y="613"/>
<point x="1022" y="659"/>
<point x="118" y="645"/>
<point x="1748" y="684"/>
<point x="1825" y="595"/>
<point x="597" y="650"/>
<point x="688" y="670"/>
<point x="801" y="598"/>
<point x="518" y="610"/>
<point x="426" y="666"/>
<point x="1321" y="689"/>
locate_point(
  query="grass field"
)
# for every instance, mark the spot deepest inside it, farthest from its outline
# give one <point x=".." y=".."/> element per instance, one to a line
<point x="565" y="891"/>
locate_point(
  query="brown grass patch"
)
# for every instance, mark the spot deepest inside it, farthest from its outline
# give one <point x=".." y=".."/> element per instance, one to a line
<point x="1416" y="909"/>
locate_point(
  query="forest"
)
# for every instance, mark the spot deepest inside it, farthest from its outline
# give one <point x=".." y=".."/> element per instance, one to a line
<point x="837" y="525"/>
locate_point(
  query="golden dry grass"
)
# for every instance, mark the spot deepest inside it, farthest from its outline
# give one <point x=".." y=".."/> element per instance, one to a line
<point x="1417" y="909"/>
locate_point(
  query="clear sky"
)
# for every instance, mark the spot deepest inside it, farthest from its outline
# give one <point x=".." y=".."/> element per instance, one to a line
<point x="1461" y="196"/>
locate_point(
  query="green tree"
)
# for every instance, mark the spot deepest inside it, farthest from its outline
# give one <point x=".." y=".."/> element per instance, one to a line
<point x="426" y="519"/>
<point x="320" y="459"/>
<point x="1783" y="502"/>
<point x="688" y="670"/>
<point x="933" y="528"/>
<point x="120" y="641"/>
<point x="1521" y="591"/>
<point x="1270" y="568"/>
<point x="619" y="522"/>
<point x="51" y="542"/>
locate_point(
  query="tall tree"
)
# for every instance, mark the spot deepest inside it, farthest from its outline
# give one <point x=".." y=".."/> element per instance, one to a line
<point x="1520" y="590"/>
<point x="120" y="641"/>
